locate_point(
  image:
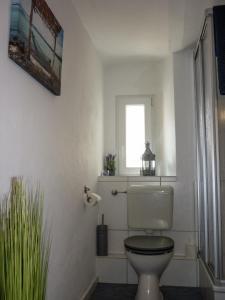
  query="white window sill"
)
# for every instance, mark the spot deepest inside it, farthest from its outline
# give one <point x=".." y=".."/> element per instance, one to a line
<point x="134" y="178"/>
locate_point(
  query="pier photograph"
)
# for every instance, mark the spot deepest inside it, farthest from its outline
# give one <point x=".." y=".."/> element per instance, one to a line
<point x="36" y="42"/>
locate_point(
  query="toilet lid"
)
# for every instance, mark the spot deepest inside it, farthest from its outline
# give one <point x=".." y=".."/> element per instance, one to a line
<point x="149" y="243"/>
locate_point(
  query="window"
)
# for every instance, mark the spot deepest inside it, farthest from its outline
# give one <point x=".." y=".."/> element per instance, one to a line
<point x="133" y="130"/>
<point x="135" y="133"/>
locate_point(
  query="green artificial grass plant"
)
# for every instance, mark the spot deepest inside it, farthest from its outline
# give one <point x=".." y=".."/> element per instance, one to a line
<point x="24" y="248"/>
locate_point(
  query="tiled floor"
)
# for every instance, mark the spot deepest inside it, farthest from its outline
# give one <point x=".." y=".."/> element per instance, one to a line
<point x="108" y="291"/>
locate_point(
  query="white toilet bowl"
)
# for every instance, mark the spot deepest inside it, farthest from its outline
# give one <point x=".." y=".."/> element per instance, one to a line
<point x="149" y="256"/>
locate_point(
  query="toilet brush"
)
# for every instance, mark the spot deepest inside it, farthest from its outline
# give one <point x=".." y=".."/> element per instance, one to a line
<point x="102" y="239"/>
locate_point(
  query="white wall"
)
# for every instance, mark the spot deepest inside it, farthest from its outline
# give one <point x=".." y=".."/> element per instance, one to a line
<point x="185" y="138"/>
<point x="58" y="142"/>
<point x="143" y="78"/>
<point x="168" y="142"/>
<point x="185" y="119"/>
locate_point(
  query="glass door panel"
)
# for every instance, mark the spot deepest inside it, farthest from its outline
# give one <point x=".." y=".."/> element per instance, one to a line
<point x="210" y="127"/>
<point x="201" y="157"/>
<point x="211" y="144"/>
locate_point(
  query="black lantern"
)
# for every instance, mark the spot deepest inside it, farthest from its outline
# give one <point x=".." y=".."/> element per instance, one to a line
<point x="148" y="162"/>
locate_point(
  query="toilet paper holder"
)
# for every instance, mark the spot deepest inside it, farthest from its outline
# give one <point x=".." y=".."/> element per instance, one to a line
<point x="86" y="189"/>
<point x="89" y="198"/>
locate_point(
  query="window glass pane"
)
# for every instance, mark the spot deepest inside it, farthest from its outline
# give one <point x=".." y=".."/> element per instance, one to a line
<point x="135" y="135"/>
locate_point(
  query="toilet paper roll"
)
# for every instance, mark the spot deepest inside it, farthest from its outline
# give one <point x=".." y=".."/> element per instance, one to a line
<point x="91" y="199"/>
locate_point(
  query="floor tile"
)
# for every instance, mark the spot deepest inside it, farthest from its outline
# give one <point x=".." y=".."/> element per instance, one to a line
<point x="108" y="291"/>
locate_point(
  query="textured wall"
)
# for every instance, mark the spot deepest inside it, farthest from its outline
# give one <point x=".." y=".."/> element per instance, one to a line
<point x="58" y="142"/>
<point x="168" y="142"/>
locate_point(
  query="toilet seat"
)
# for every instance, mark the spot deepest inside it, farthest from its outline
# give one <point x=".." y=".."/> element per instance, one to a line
<point x="149" y="245"/>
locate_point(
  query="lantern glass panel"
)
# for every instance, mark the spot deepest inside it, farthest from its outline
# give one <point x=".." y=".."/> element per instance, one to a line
<point x="148" y="162"/>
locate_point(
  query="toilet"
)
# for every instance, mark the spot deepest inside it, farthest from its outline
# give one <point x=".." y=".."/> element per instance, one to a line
<point x="149" y="208"/>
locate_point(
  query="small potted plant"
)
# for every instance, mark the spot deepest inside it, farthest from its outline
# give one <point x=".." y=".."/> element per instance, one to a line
<point x="110" y="165"/>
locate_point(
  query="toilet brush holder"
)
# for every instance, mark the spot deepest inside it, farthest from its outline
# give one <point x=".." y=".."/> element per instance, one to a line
<point x="102" y="239"/>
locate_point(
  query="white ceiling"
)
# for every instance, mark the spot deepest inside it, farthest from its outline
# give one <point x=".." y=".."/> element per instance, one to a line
<point x="122" y="29"/>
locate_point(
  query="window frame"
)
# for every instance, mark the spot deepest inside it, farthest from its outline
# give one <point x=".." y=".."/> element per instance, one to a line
<point x="121" y="102"/>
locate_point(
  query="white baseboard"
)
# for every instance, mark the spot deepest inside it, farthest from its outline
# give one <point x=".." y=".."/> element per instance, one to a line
<point x="87" y="294"/>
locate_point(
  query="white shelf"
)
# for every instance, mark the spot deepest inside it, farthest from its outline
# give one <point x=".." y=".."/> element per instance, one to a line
<point x="123" y="256"/>
<point x="113" y="256"/>
<point x="137" y="178"/>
